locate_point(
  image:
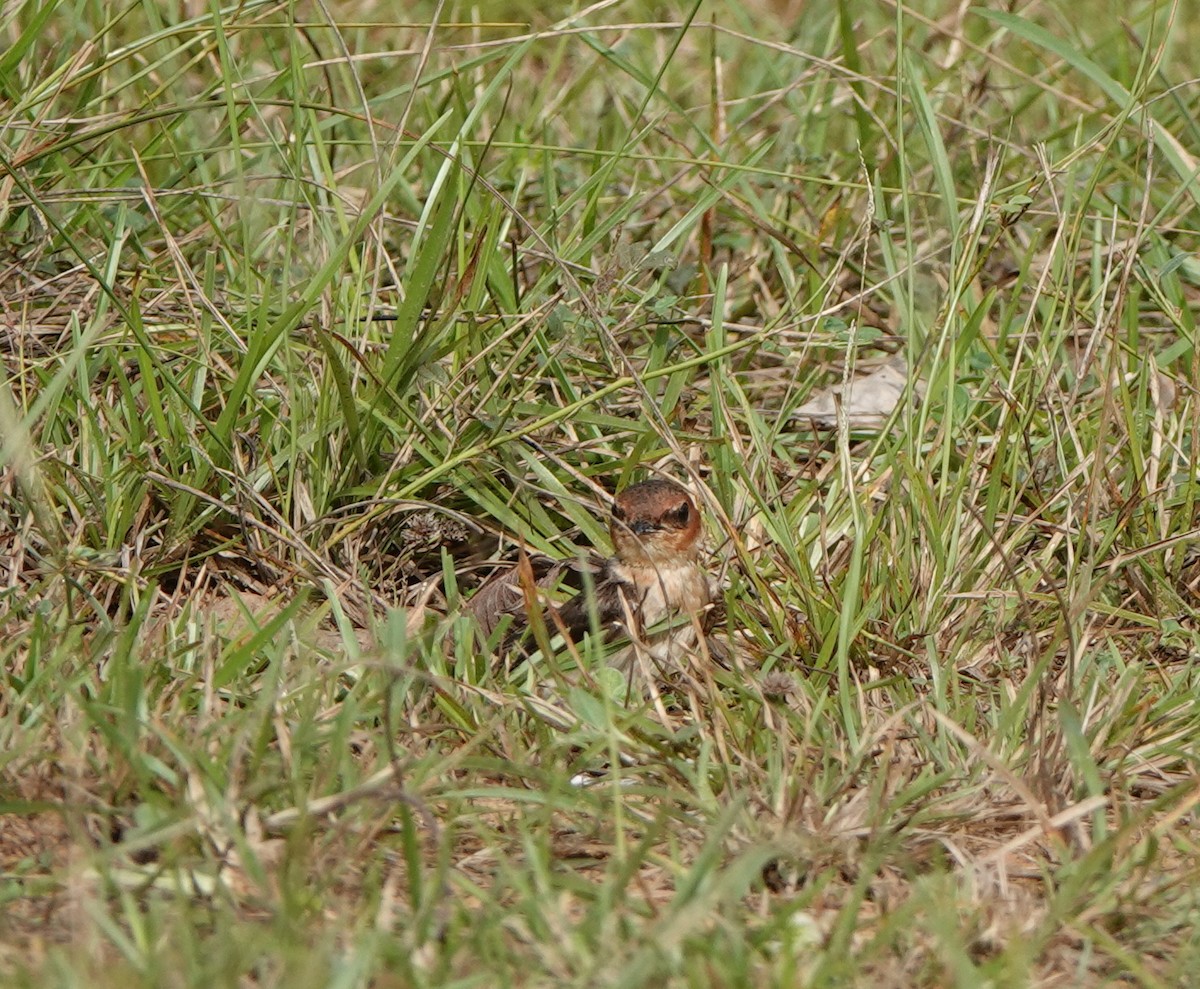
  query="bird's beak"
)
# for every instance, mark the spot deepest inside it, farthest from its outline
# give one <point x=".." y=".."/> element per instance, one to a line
<point x="642" y="527"/>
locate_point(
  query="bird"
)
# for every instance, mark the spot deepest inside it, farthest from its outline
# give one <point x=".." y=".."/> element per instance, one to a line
<point x="656" y="573"/>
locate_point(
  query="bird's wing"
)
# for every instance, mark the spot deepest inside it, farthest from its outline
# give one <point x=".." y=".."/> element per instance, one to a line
<point x="505" y="591"/>
<point x="604" y="595"/>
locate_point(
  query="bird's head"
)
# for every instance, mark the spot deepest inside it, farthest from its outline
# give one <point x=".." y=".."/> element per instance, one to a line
<point x="655" y="523"/>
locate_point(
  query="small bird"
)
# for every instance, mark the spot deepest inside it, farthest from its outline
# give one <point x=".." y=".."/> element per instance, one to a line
<point x="655" y="574"/>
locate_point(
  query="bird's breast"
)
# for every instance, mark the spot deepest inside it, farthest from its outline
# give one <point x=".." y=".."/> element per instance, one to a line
<point x="662" y="591"/>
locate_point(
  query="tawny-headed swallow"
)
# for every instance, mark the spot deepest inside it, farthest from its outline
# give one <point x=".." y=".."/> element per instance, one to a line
<point x="654" y="574"/>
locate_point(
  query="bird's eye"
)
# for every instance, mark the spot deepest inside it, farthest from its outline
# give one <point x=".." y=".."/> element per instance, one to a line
<point x="618" y="513"/>
<point x="680" y="515"/>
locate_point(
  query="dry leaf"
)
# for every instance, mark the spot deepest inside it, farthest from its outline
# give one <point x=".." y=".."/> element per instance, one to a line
<point x="1162" y="389"/>
<point x="868" y="400"/>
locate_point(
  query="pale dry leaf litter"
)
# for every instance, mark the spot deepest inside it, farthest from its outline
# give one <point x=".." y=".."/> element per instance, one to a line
<point x="867" y="400"/>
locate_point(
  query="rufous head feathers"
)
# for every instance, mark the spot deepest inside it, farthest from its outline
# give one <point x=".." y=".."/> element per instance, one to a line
<point x="655" y="522"/>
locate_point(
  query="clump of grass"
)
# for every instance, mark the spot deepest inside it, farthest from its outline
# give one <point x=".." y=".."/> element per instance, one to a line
<point x="307" y="314"/>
